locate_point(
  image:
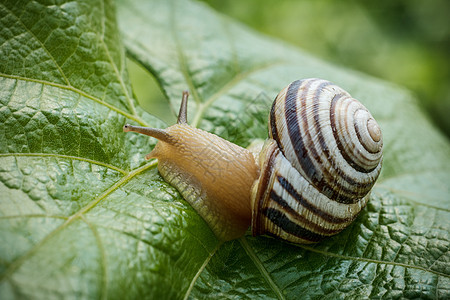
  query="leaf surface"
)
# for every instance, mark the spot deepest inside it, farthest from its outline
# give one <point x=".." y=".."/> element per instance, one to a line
<point x="81" y="213"/>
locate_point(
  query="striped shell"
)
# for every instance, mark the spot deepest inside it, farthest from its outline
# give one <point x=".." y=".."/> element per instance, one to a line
<point x="317" y="169"/>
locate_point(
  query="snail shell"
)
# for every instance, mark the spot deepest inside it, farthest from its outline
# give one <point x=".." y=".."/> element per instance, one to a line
<point x="312" y="177"/>
<point x="322" y="159"/>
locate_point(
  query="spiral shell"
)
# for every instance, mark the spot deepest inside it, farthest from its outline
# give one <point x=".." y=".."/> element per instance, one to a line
<point x="322" y="159"/>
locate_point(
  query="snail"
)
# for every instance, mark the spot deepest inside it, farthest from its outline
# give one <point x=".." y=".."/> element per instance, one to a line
<point x="310" y="180"/>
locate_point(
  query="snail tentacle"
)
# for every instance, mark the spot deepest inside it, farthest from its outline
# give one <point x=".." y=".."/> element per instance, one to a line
<point x="157" y="133"/>
<point x="182" y="114"/>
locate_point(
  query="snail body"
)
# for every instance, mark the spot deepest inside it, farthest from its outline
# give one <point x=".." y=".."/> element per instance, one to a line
<point x="310" y="180"/>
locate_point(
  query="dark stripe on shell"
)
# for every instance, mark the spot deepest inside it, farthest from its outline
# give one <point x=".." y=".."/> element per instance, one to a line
<point x="299" y="218"/>
<point x="291" y="110"/>
<point x="293" y="127"/>
<point x="279" y="219"/>
<point x="309" y="206"/>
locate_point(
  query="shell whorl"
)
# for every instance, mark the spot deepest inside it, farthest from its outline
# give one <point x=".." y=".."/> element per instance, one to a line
<point x="324" y="133"/>
<point x="323" y="159"/>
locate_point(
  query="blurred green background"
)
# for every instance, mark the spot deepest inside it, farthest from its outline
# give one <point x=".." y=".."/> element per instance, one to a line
<point x="404" y="41"/>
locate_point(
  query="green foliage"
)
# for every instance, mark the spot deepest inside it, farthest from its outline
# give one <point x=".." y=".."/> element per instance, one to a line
<point x="82" y="215"/>
<point x="403" y="41"/>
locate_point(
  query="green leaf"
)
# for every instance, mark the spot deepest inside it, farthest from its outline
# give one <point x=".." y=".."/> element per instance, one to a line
<point x="82" y="215"/>
<point x="397" y="247"/>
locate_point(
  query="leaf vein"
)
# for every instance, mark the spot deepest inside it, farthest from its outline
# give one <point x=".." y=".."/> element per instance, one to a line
<point x="259" y="265"/>
<point x="91" y="161"/>
<point x="113" y="64"/>
<point x="34" y="216"/>
<point x="409" y="195"/>
<point x="81" y="93"/>
<point x="104" y="281"/>
<point x="41" y="43"/>
<point x="375" y="261"/>
<point x="20" y="260"/>
<point x="200" y="270"/>
<point x="227" y="87"/>
<point x="181" y="57"/>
